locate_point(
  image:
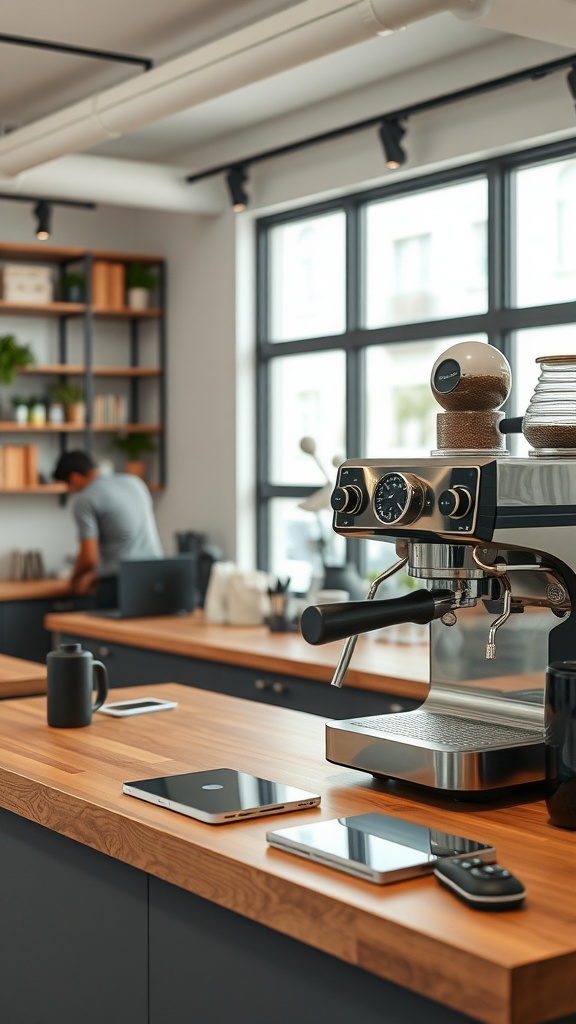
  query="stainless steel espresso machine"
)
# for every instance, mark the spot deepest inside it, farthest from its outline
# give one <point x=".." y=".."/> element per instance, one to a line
<point x="493" y="540"/>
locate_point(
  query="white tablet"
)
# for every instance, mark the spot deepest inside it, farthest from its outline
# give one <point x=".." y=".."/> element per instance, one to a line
<point x="220" y="795"/>
<point x="376" y="847"/>
<point x="139" y="706"/>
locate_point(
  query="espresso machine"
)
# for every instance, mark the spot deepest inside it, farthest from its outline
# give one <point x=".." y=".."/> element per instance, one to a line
<point x="493" y="540"/>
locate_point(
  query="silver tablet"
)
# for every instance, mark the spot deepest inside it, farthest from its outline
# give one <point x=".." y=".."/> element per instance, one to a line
<point x="221" y="795"/>
<point x="376" y="847"/>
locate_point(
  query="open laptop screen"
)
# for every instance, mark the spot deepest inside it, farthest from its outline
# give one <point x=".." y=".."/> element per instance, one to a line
<point x="157" y="586"/>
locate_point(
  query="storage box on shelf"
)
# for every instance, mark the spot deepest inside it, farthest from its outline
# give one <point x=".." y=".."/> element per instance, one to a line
<point x="26" y="284"/>
<point x="103" y="280"/>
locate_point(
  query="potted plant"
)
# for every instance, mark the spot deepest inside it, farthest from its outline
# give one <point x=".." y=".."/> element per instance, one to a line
<point x="36" y="411"/>
<point x="71" y="396"/>
<point x="13" y="356"/>
<point x="72" y="287"/>
<point x="140" y="281"/>
<point x="20" y="406"/>
<point x="134" y="446"/>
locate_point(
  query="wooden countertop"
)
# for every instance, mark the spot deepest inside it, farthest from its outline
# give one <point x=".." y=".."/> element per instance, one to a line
<point x="19" y="678"/>
<point x="507" y="968"/>
<point x="399" y="669"/>
<point x="29" y="590"/>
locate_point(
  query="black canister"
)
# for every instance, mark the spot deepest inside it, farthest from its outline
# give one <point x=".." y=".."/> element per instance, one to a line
<point x="72" y="673"/>
<point x="560" y="743"/>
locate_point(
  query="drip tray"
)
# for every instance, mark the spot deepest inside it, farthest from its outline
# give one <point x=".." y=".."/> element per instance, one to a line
<point x="439" y="750"/>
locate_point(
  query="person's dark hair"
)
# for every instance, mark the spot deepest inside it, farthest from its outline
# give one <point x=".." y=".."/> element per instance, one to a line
<point x="73" y="462"/>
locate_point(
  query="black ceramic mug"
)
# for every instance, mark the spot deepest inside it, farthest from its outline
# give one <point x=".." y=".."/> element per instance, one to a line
<point x="72" y="674"/>
<point x="560" y="743"/>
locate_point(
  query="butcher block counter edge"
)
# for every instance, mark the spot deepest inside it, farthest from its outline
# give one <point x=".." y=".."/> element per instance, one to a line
<point x="19" y="678"/>
<point x="513" y="968"/>
<point x="397" y="669"/>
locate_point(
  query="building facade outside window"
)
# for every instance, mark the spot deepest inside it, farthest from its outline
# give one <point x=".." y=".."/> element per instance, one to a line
<point x="356" y="299"/>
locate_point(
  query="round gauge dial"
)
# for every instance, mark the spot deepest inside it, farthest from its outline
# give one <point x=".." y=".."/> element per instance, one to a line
<point x="398" y="498"/>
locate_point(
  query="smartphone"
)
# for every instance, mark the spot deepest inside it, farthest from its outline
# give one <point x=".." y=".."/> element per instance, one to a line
<point x="377" y="847"/>
<point x="123" y="708"/>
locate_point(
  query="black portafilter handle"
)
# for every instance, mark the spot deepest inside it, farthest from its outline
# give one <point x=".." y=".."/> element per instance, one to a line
<point x="320" y="624"/>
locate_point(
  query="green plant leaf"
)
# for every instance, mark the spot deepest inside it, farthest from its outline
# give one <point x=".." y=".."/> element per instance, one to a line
<point x="13" y="356"/>
<point x="134" y="445"/>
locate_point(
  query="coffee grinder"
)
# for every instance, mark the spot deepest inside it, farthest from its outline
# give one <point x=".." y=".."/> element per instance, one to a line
<point x="493" y="540"/>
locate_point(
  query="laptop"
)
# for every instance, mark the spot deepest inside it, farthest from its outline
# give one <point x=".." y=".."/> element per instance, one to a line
<point x="154" y="586"/>
<point x="219" y="795"/>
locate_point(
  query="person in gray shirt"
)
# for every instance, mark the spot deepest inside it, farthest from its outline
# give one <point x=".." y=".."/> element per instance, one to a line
<point x="115" y="521"/>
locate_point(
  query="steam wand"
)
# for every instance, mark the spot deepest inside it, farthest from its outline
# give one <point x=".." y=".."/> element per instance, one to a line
<point x="499" y="569"/>
<point x="348" y="649"/>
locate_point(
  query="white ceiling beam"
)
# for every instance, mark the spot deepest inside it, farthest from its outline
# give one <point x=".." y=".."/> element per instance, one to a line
<point x="289" y="38"/>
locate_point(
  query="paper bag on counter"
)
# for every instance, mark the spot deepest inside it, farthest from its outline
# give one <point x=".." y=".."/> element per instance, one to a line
<point x="248" y="601"/>
<point x="216" y="600"/>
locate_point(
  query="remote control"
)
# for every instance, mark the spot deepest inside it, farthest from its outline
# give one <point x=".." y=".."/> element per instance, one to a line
<point x="480" y="885"/>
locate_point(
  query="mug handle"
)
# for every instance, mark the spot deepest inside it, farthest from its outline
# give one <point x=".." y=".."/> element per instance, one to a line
<point x="101" y="682"/>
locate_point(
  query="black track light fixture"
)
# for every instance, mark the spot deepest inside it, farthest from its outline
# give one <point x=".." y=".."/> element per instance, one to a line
<point x="391" y="135"/>
<point x="43" y="213"/>
<point x="42" y="210"/>
<point x="236" y="178"/>
<point x="571" y="80"/>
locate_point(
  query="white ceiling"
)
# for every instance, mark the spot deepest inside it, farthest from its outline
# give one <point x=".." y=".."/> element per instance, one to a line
<point x="35" y="83"/>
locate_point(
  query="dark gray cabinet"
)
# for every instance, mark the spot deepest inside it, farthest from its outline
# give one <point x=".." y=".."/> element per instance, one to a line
<point x="74" y="940"/>
<point x="229" y="968"/>
<point x="134" y="666"/>
<point x="87" y="939"/>
<point x="22" y="631"/>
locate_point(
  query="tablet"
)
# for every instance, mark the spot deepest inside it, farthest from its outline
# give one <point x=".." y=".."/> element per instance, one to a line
<point x="379" y="848"/>
<point x="221" y="795"/>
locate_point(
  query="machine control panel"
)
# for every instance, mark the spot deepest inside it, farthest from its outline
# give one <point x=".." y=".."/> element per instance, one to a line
<point x="377" y="497"/>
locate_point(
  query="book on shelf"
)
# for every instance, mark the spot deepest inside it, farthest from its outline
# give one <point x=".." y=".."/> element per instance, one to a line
<point x="110" y="410"/>
<point x="18" y="466"/>
<point x="108" y="284"/>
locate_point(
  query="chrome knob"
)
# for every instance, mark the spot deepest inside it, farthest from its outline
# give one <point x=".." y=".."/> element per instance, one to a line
<point x="455" y="502"/>
<point x="347" y="499"/>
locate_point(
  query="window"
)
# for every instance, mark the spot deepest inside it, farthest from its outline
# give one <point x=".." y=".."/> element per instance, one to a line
<point x="307" y="276"/>
<point x="358" y="297"/>
<point x="545" y="243"/>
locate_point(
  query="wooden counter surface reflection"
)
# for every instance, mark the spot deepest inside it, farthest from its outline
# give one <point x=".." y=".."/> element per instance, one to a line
<point x="507" y="968"/>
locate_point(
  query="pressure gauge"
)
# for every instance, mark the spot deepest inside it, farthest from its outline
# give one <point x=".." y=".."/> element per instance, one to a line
<point x="398" y="498"/>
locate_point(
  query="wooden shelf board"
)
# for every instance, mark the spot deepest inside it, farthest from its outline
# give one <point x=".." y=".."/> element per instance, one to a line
<point x="61" y="254"/>
<point x="36" y="489"/>
<point x="9" y="426"/>
<point x="43" y="308"/>
<point x="130" y="428"/>
<point x="126" y="313"/>
<point x="125" y="257"/>
<point x="39" y="253"/>
<point x="77" y="370"/>
<point x="76" y="309"/>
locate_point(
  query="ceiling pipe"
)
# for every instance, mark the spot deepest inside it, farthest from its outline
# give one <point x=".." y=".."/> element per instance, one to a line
<point x="305" y="32"/>
<point x="115" y="182"/>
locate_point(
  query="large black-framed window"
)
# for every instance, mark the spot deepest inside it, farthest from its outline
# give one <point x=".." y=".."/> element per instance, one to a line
<point x="357" y="295"/>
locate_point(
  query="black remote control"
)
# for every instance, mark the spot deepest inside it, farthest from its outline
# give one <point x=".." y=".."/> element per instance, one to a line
<point x="480" y="885"/>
